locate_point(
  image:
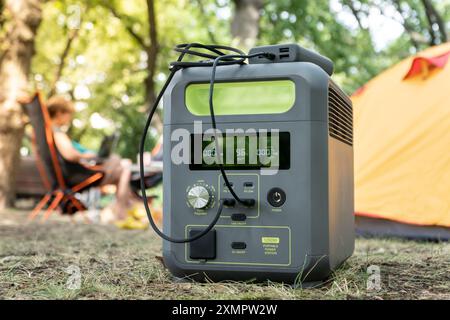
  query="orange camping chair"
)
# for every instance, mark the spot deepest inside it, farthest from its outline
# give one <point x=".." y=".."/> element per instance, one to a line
<point x="63" y="179"/>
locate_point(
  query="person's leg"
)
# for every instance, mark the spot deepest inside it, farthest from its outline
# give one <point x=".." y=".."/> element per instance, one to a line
<point x="124" y="198"/>
<point x="118" y="172"/>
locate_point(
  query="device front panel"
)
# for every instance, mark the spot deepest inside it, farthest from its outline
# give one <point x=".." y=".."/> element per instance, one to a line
<point x="275" y="232"/>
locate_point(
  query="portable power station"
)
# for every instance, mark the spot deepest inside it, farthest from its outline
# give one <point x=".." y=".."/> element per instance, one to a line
<point x="297" y="225"/>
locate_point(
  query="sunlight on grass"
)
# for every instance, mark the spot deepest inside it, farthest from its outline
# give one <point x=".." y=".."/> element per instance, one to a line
<point x="117" y="264"/>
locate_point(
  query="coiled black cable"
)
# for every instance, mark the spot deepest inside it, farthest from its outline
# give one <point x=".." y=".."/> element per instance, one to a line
<point x="216" y="57"/>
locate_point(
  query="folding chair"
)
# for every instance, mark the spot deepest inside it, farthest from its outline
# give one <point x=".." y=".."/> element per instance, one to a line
<point x="63" y="179"/>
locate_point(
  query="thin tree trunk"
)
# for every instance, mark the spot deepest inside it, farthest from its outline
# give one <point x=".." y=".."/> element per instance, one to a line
<point x="203" y="13"/>
<point x="434" y="18"/>
<point x="21" y="28"/>
<point x="430" y="19"/>
<point x="2" y="17"/>
<point x="407" y="25"/>
<point x="151" y="47"/>
<point x="245" y="24"/>
<point x="152" y="55"/>
<point x="62" y="60"/>
<point x="2" y="34"/>
<point x="356" y="13"/>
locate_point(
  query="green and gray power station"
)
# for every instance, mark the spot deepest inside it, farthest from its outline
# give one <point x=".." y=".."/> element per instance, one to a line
<point x="300" y="225"/>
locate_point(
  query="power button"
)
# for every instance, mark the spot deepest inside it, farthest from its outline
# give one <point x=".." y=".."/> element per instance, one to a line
<point x="276" y="197"/>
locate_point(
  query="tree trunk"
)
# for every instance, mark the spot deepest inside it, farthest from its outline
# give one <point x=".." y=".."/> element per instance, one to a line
<point x="151" y="47"/>
<point x="2" y="17"/>
<point x="245" y="24"/>
<point x="204" y="21"/>
<point x="62" y="60"/>
<point x="152" y="55"/>
<point x="356" y="13"/>
<point x="434" y="18"/>
<point x="21" y="27"/>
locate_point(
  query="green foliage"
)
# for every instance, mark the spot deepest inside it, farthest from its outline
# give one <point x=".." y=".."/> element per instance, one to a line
<point x="315" y="25"/>
<point x="106" y="66"/>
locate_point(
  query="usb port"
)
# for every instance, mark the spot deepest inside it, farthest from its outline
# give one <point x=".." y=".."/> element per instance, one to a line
<point x="238" y="217"/>
<point x="284" y="49"/>
<point x="282" y="56"/>
<point x="239" y="245"/>
<point x="248" y="184"/>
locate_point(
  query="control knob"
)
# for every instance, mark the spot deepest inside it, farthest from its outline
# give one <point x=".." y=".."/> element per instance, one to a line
<point x="198" y="197"/>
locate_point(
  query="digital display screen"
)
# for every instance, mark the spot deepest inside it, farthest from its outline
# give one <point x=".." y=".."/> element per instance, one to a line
<point x="241" y="151"/>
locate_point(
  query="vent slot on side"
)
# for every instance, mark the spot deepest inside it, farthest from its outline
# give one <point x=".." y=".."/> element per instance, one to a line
<point x="340" y="115"/>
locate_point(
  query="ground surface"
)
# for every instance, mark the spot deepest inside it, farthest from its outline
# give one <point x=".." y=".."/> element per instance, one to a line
<point x="38" y="261"/>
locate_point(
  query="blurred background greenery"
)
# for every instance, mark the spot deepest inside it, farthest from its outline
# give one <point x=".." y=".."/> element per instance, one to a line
<point x="106" y="67"/>
<point x="112" y="56"/>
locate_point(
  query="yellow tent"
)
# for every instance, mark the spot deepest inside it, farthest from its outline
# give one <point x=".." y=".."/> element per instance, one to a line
<point x="402" y="142"/>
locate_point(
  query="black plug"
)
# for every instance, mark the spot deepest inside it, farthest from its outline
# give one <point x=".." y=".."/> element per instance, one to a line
<point x="268" y="55"/>
<point x="229" y="202"/>
<point x="249" y="202"/>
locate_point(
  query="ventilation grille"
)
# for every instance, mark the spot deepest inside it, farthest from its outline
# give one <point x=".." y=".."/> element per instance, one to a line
<point x="340" y="115"/>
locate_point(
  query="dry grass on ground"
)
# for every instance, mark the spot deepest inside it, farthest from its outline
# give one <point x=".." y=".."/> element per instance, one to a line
<point x="117" y="264"/>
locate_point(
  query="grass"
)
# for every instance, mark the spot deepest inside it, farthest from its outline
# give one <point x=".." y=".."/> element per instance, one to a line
<point x="117" y="264"/>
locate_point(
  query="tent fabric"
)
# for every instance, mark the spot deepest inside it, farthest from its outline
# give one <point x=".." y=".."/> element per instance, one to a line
<point x="423" y="65"/>
<point x="375" y="227"/>
<point x="402" y="143"/>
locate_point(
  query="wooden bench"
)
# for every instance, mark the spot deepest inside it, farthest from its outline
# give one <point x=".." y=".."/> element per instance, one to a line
<point x="28" y="181"/>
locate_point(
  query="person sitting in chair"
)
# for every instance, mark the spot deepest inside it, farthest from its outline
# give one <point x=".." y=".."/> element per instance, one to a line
<point x="116" y="170"/>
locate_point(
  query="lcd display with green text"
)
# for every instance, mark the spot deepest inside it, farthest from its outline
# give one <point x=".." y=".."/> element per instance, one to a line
<point x="242" y="151"/>
<point x="240" y="98"/>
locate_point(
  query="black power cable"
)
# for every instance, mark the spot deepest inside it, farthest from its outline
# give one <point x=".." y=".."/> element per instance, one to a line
<point x="216" y="58"/>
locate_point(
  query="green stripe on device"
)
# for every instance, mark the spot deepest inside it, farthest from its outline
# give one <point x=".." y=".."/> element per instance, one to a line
<point x="239" y="98"/>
